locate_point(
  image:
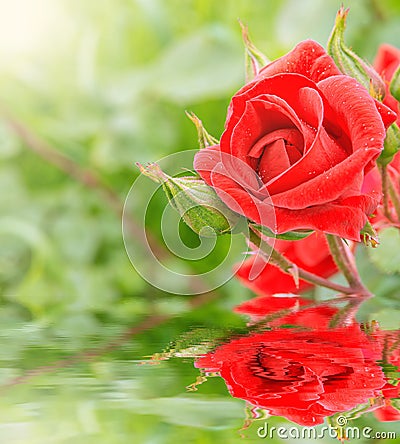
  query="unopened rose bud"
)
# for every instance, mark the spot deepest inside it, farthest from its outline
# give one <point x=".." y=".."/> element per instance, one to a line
<point x="196" y="202"/>
<point x="349" y="62"/>
<point x="391" y="145"/>
<point x="395" y="85"/>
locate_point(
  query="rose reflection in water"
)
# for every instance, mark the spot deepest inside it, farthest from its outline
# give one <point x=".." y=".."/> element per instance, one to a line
<point x="304" y="373"/>
<point x="390" y="341"/>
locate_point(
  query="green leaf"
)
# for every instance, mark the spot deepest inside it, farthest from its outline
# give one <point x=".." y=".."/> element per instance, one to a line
<point x="391" y="371"/>
<point x="387" y="256"/>
<point x="290" y="235"/>
<point x="396" y="403"/>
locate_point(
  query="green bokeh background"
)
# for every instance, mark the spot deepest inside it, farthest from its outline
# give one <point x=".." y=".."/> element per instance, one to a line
<point x="106" y="83"/>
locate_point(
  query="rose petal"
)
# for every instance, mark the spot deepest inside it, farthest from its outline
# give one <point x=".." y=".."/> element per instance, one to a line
<point x="387" y="60"/>
<point x="274" y="161"/>
<point x="311" y="253"/>
<point x="339" y="181"/>
<point x="356" y="110"/>
<point x="285" y="87"/>
<point x="271" y="281"/>
<point x="253" y="125"/>
<point x="335" y="218"/>
<point x="321" y="157"/>
<point x="239" y="200"/>
<point x="308" y="58"/>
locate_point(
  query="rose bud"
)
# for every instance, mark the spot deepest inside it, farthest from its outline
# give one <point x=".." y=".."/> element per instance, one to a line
<point x="196" y="202"/>
<point x="391" y="145"/>
<point x="350" y="63"/>
<point x="395" y="85"/>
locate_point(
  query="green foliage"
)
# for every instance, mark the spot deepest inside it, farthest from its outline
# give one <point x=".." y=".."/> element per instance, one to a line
<point x="387" y="256"/>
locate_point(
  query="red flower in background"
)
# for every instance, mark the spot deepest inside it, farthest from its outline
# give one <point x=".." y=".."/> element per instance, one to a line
<point x="303" y="376"/>
<point x="373" y="183"/>
<point x="390" y="343"/>
<point x="307" y="135"/>
<point x="386" y="62"/>
<point x="311" y="253"/>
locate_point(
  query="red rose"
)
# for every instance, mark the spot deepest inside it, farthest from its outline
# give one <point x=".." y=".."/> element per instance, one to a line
<point x="308" y="135"/>
<point x="389" y="341"/>
<point x="303" y="376"/>
<point x="386" y="62"/>
<point x="311" y="253"/>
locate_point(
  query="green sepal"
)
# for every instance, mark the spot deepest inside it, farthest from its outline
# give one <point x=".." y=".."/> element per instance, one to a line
<point x="205" y="139"/>
<point x="255" y="60"/>
<point x="369" y="236"/>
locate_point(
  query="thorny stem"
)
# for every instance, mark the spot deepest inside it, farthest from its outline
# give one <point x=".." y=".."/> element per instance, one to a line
<point x="348" y="312"/>
<point x="289" y="267"/>
<point x="385" y="191"/>
<point x="344" y="259"/>
<point x="394" y="198"/>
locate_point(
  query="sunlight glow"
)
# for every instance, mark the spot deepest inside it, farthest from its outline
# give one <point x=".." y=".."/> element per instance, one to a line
<point x="27" y="27"/>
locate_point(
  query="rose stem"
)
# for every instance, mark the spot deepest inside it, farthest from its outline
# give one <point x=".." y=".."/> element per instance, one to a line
<point x="288" y="267"/>
<point x="345" y="261"/>
<point x="394" y="198"/>
<point x="385" y="190"/>
<point x="348" y="312"/>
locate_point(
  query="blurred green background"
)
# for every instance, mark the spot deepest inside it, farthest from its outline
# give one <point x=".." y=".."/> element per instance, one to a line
<point x="91" y="87"/>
